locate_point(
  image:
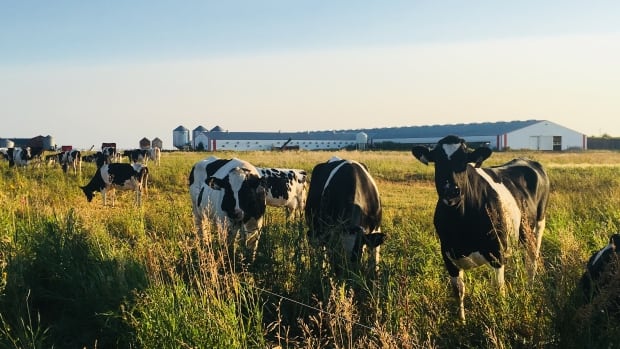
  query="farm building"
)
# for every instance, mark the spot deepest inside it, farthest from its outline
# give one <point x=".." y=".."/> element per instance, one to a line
<point x="45" y="142"/>
<point x="529" y="134"/>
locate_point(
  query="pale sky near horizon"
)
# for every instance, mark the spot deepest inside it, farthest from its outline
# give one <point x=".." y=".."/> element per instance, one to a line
<point x="87" y="72"/>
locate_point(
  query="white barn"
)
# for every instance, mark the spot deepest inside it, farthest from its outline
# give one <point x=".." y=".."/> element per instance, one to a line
<point x="517" y="135"/>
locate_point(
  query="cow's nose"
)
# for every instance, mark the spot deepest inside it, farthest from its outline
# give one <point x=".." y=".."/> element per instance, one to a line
<point x="452" y="191"/>
<point x="451" y="194"/>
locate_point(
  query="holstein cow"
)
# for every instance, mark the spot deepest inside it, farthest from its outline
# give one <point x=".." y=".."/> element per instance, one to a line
<point x="110" y="177"/>
<point x="109" y="155"/>
<point x="23" y="156"/>
<point x="71" y="158"/>
<point x="601" y="267"/>
<point x="482" y="212"/>
<point x="343" y="212"/>
<point x="137" y="155"/>
<point x="286" y="187"/>
<point x="232" y="193"/>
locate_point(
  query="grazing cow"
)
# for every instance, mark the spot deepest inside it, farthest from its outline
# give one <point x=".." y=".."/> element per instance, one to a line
<point x="155" y="155"/>
<point x="109" y="155"/>
<point x="602" y="265"/>
<point x="121" y="176"/>
<point x="71" y="158"/>
<point x="344" y="208"/>
<point x="23" y="156"/>
<point x="286" y="187"/>
<point x="482" y="212"/>
<point x="232" y="193"/>
<point x="137" y="155"/>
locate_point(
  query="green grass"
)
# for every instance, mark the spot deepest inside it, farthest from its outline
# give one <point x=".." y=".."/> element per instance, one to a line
<point x="78" y="275"/>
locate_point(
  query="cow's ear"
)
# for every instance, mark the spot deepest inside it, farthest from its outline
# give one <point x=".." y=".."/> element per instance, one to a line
<point x="479" y="155"/>
<point x="422" y="153"/>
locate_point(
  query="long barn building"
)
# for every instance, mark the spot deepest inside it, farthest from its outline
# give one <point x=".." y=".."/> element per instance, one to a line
<point x="529" y="134"/>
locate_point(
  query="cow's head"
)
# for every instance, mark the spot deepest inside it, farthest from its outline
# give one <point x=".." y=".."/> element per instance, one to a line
<point x="244" y="198"/>
<point x="451" y="157"/>
<point x="88" y="192"/>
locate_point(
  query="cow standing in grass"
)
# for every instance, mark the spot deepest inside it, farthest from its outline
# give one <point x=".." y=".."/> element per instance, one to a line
<point x="343" y="212"/>
<point x="286" y="187"/>
<point x="71" y="158"/>
<point x="231" y="193"/>
<point x="122" y="176"/>
<point x="482" y="212"/>
<point x="602" y="268"/>
<point x="23" y="156"/>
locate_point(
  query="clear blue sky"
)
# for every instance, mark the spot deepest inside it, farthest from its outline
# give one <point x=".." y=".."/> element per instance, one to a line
<point x="88" y="72"/>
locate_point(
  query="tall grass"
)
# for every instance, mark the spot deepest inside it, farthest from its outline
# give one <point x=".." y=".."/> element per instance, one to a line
<point x="78" y="275"/>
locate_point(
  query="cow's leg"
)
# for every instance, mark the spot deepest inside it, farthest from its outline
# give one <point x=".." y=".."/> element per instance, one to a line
<point x="540" y="228"/>
<point x="499" y="280"/>
<point x="104" y="195"/>
<point x="138" y="196"/>
<point x="458" y="285"/>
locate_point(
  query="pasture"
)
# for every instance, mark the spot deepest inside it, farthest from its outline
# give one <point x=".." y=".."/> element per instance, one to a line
<point x="75" y="274"/>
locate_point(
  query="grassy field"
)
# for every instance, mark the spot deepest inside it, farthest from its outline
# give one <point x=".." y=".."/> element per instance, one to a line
<point x="75" y="274"/>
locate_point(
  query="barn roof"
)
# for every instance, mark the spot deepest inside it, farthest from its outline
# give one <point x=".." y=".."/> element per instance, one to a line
<point x="296" y="136"/>
<point x="462" y="130"/>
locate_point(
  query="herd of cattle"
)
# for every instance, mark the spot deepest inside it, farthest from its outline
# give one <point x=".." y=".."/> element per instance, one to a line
<point x="481" y="214"/>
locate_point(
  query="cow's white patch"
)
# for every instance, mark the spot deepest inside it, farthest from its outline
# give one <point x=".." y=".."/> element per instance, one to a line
<point x="333" y="159"/>
<point x="450" y="149"/>
<point x="475" y="259"/>
<point x="331" y="174"/>
<point x="508" y="208"/>
<point x="601" y="252"/>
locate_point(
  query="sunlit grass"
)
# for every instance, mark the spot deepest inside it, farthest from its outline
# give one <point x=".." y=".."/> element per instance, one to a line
<point x="77" y="274"/>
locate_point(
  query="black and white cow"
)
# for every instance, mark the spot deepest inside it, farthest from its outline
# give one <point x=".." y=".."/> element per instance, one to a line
<point x="232" y="193"/>
<point x="110" y="155"/>
<point x="482" y="212"/>
<point x="23" y="156"/>
<point x="343" y="212"/>
<point x="71" y="158"/>
<point x="122" y="176"/>
<point x="137" y="155"/>
<point x="286" y="187"/>
<point x="602" y="265"/>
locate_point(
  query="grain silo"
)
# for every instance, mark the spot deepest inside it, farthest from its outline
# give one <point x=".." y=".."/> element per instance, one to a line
<point x="361" y="139"/>
<point x="157" y="143"/>
<point x="180" y="138"/>
<point x="198" y="130"/>
<point x="145" y="143"/>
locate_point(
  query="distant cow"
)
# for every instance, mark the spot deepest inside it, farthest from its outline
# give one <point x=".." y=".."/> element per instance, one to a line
<point x="601" y="266"/>
<point x="71" y="158"/>
<point x="137" y="155"/>
<point x="121" y="176"/>
<point x="482" y="212"/>
<point x="23" y="156"/>
<point x="232" y="193"/>
<point x="110" y="155"/>
<point x="155" y="155"/>
<point x="343" y="208"/>
<point x="286" y="187"/>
